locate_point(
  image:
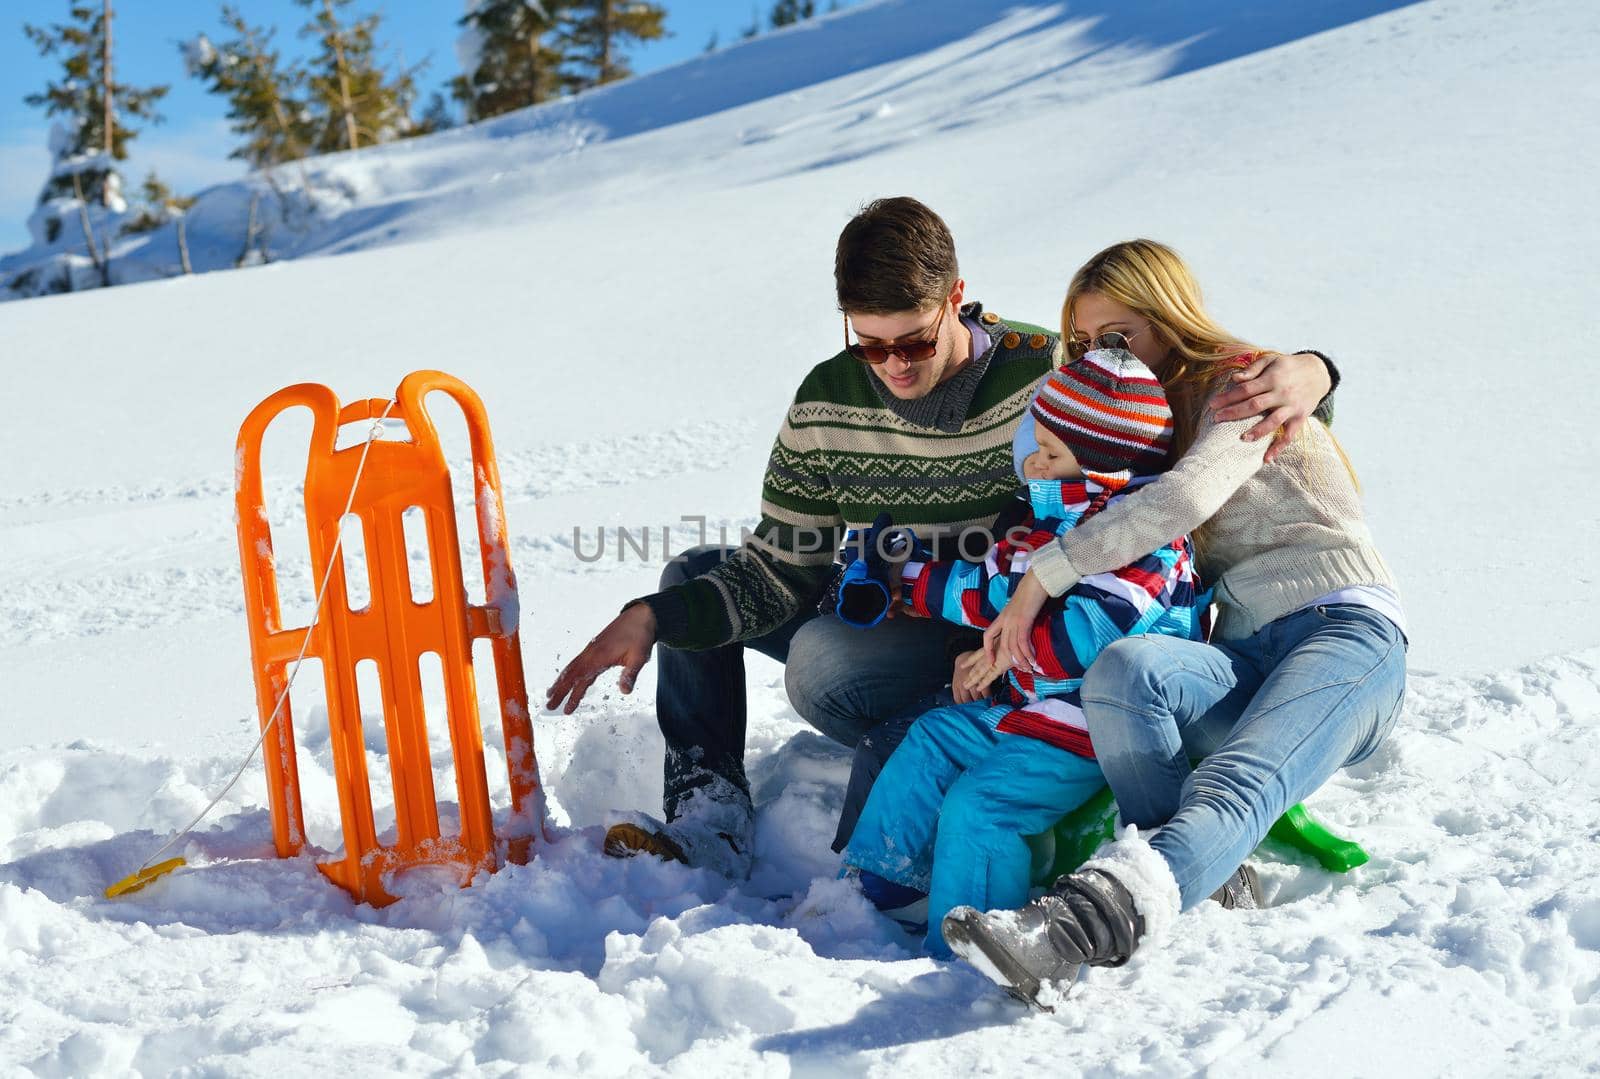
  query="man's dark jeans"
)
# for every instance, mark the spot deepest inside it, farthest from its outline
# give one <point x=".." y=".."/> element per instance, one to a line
<point x="843" y="681"/>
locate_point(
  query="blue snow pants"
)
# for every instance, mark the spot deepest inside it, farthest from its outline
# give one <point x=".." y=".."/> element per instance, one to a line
<point x="951" y="812"/>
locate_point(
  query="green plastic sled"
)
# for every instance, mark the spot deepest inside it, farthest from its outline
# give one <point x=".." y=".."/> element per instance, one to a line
<point x="1081" y="832"/>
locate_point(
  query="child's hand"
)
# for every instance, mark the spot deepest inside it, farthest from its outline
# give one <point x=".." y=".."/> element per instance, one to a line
<point x="973" y="676"/>
<point x="898" y="608"/>
<point x="982" y="679"/>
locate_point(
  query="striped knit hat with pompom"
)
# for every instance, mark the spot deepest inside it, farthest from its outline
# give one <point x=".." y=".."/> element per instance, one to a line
<point x="1110" y="410"/>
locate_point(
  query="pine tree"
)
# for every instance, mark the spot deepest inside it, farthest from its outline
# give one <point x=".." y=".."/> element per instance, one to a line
<point x="514" y="62"/>
<point x="789" y="12"/>
<point x="91" y="132"/>
<point x="157" y="205"/>
<point x="436" y="117"/>
<point x="596" y="31"/>
<point x="92" y="104"/>
<point x="353" y="102"/>
<point x="265" y="99"/>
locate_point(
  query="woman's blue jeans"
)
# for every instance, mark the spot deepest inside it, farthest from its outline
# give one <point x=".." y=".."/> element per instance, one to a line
<point x="1272" y="715"/>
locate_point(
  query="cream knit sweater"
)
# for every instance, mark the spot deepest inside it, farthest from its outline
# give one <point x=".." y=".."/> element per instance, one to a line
<point x="1274" y="538"/>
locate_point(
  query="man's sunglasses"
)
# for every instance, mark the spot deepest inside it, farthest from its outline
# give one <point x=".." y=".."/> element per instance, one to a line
<point x="911" y="351"/>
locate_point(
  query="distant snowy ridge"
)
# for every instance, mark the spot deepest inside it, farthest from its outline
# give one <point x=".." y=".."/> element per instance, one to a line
<point x="857" y="72"/>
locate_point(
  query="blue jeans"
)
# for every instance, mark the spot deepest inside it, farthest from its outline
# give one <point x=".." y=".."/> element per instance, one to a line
<point x="951" y="810"/>
<point x="843" y="681"/>
<point x="1272" y="715"/>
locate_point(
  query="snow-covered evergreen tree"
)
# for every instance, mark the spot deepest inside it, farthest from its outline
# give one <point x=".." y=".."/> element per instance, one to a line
<point x="82" y="196"/>
<point x="509" y="58"/>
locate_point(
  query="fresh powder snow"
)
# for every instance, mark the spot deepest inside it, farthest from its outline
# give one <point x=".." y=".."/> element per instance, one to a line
<point x="635" y="281"/>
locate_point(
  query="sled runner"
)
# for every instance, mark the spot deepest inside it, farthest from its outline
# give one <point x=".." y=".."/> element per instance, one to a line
<point x="1085" y="829"/>
<point x="379" y="482"/>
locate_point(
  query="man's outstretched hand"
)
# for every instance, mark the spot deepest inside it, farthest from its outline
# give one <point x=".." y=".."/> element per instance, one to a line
<point x="625" y="643"/>
<point x="1283" y="390"/>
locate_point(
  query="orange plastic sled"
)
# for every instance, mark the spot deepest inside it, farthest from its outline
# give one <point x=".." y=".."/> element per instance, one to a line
<point x="393" y="631"/>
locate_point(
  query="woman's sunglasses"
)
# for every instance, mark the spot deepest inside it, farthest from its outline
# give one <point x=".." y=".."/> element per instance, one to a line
<point x="911" y="351"/>
<point x="1078" y="346"/>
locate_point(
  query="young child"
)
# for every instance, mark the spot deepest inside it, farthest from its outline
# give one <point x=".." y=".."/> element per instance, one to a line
<point x="950" y="813"/>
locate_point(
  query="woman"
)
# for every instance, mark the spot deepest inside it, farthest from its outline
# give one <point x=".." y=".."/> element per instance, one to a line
<point x="1304" y="675"/>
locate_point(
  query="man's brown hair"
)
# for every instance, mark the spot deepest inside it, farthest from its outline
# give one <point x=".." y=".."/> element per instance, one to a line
<point x="895" y="255"/>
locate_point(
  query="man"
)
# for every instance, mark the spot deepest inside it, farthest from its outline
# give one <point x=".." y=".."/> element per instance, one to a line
<point x="915" y="419"/>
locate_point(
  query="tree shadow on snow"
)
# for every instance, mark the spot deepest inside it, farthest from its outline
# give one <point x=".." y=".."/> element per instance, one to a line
<point x="813" y="52"/>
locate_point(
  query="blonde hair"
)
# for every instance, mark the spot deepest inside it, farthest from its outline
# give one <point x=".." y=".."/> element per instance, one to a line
<point x="1152" y="280"/>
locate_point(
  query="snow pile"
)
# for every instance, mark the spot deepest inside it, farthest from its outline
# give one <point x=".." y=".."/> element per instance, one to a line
<point x="1469" y="945"/>
<point x="634" y="285"/>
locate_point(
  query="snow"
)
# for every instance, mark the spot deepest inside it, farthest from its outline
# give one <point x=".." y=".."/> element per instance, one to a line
<point x="500" y="589"/>
<point x="634" y="282"/>
<point x="198" y="54"/>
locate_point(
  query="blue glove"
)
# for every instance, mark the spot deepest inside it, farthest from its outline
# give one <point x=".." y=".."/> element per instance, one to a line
<point x="860" y="592"/>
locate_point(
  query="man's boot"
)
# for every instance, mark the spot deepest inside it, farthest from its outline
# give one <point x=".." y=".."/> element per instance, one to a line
<point x="630" y="838"/>
<point x="684" y="840"/>
<point x="714" y="829"/>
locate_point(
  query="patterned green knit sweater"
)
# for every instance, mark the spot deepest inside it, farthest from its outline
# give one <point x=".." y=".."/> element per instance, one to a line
<point x="848" y="451"/>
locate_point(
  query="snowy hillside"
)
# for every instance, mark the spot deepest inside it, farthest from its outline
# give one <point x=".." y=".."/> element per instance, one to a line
<point x="822" y="93"/>
<point x="1406" y="187"/>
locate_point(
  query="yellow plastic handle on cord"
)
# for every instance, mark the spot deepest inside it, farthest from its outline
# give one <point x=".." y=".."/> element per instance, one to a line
<point x="134" y="881"/>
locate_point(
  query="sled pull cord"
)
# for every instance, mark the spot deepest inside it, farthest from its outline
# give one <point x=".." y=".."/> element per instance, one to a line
<point x="147" y="872"/>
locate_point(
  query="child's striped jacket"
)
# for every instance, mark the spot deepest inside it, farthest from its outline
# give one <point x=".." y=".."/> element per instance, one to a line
<point x="1156" y="594"/>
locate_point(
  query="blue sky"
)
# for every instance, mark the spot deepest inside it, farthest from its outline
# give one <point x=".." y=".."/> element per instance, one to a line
<point x="191" y="148"/>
